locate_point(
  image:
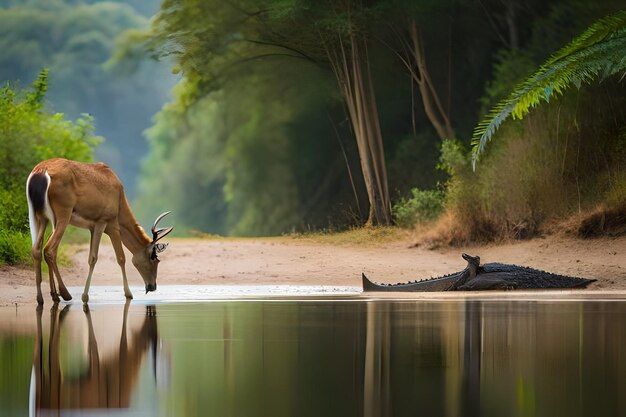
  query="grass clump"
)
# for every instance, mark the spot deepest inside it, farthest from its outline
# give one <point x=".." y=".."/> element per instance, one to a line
<point x="361" y="236"/>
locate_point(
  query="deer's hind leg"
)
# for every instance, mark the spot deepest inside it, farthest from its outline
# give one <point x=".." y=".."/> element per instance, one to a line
<point x="62" y="219"/>
<point x="41" y="224"/>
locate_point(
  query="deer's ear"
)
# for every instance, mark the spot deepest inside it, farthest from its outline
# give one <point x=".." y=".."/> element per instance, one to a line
<point x="155" y="248"/>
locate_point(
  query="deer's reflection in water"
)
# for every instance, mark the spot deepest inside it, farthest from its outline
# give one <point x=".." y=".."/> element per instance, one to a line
<point x="91" y="360"/>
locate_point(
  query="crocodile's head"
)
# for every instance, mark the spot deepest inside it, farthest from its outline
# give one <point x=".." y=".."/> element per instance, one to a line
<point x="474" y="260"/>
<point x="473" y="263"/>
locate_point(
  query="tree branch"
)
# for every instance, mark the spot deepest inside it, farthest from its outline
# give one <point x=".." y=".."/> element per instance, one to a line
<point x="286" y="47"/>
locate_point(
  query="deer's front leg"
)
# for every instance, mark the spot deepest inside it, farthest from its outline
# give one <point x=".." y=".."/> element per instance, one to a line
<point x="113" y="230"/>
<point x="96" y="235"/>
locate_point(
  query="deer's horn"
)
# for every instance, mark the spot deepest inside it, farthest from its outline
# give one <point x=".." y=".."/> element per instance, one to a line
<point x="162" y="232"/>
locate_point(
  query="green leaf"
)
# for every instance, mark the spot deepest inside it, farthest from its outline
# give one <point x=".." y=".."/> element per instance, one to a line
<point x="599" y="52"/>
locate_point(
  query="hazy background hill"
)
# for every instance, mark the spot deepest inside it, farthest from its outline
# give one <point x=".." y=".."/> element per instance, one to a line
<point x="75" y="39"/>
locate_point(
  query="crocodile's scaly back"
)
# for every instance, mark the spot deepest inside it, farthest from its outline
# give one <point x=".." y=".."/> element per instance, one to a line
<point x="531" y="278"/>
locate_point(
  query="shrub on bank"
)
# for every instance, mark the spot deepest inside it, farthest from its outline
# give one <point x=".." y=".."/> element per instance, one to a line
<point x="565" y="158"/>
<point x="14" y="247"/>
<point x="422" y="207"/>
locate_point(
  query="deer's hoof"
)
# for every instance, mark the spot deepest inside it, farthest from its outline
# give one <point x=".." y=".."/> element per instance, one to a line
<point x="65" y="294"/>
<point x="128" y="295"/>
<point x="55" y="297"/>
<point x="85" y="298"/>
<point x="39" y="299"/>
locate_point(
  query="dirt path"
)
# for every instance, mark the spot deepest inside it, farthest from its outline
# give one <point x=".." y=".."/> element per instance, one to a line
<point x="302" y="262"/>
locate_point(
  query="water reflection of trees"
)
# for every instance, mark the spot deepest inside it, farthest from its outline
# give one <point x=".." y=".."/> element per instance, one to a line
<point x="494" y="358"/>
<point x="554" y="358"/>
<point x="414" y="355"/>
<point x="66" y="375"/>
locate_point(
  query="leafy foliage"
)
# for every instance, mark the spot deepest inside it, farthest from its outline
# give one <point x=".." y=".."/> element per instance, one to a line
<point x="246" y="142"/>
<point x="423" y="206"/>
<point x="218" y="45"/>
<point x="29" y="135"/>
<point x="231" y="157"/>
<point x="76" y="40"/>
<point x="597" y="53"/>
<point x="565" y="158"/>
<point x="510" y="68"/>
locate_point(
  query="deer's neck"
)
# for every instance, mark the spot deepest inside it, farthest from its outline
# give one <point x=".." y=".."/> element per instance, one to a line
<point x="133" y="235"/>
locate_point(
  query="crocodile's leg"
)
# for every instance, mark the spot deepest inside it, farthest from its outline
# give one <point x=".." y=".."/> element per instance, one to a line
<point x="469" y="273"/>
<point x="489" y="281"/>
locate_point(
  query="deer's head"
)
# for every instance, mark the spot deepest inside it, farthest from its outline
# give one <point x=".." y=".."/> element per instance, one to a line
<point x="147" y="261"/>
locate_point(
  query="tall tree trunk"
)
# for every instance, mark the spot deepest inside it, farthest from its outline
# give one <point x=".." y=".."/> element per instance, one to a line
<point x="351" y="67"/>
<point x="414" y="59"/>
<point x="376" y="143"/>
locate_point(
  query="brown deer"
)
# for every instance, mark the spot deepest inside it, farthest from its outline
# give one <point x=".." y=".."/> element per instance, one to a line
<point x="88" y="196"/>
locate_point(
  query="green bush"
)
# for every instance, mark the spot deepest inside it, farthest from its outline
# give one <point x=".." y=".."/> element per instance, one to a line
<point x="14" y="247"/>
<point x="565" y="158"/>
<point x="28" y="135"/>
<point x="423" y="206"/>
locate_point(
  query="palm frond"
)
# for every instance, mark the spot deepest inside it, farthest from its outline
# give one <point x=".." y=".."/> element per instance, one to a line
<point x="599" y="52"/>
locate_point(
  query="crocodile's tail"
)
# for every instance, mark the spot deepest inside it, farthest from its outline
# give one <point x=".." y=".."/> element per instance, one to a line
<point x="369" y="285"/>
<point x="574" y="282"/>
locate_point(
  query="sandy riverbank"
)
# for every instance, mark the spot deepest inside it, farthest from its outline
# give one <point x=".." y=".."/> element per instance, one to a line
<point x="288" y="261"/>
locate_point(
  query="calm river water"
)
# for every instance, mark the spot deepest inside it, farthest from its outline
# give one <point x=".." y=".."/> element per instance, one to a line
<point x="316" y="357"/>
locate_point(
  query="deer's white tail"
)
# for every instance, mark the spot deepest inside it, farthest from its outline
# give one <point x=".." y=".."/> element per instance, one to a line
<point x="37" y="186"/>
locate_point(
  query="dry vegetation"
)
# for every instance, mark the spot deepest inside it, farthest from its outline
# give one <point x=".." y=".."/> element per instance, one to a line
<point x="561" y="170"/>
<point x="362" y="236"/>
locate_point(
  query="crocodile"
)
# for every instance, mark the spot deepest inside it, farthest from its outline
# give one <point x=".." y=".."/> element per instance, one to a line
<point x="491" y="276"/>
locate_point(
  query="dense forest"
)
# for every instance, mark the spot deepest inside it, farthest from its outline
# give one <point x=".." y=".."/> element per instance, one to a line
<point x="289" y="115"/>
<point x="296" y="115"/>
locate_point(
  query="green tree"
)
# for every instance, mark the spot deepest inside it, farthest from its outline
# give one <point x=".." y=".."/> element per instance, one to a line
<point x="249" y="68"/>
<point x="212" y="47"/>
<point x="28" y="135"/>
<point x="215" y="43"/>
<point x="237" y="160"/>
